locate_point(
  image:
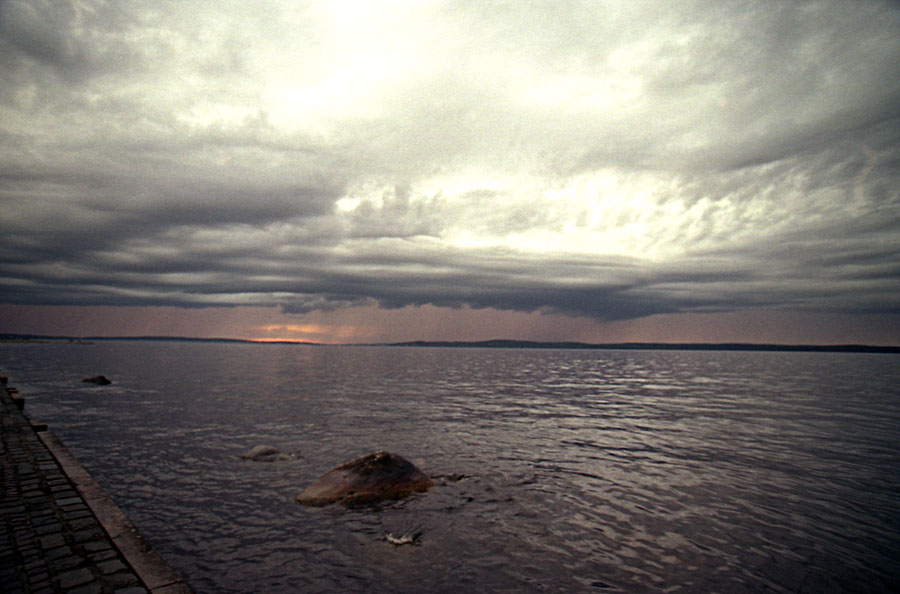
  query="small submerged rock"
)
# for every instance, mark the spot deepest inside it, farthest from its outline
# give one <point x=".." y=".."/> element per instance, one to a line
<point x="99" y="380"/>
<point x="445" y="479"/>
<point x="266" y="453"/>
<point x="372" y="478"/>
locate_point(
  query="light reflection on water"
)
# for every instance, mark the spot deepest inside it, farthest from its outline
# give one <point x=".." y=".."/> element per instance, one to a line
<point x="587" y="470"/>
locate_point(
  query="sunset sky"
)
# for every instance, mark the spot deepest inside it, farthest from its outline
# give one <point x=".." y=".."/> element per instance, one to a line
<point x="345" y="171"/>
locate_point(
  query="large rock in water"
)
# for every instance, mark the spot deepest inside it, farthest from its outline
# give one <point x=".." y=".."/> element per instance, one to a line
<point x="372" y="478"/>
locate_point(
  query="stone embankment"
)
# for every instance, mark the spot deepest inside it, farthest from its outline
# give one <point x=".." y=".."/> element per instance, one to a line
<point x="59" y="531"/>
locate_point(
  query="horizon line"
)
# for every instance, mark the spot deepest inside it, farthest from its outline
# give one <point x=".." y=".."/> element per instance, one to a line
<point x="491" y="343"/>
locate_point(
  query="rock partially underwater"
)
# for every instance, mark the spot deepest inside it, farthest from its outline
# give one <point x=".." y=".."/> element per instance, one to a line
<point x="372" y="478"/>
<point x="406" y="539"/>
<point x="266" y="453"/>
<point x="99" y="380"/>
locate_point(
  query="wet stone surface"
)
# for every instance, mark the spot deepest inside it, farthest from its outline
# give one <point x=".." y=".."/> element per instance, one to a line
<point x="50" y="542"/>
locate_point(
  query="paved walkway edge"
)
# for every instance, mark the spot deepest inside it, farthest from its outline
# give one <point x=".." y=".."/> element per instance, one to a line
<point x="150" y="567"/>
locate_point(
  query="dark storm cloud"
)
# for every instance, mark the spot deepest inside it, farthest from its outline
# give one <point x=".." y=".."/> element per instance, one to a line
<point x="598" y="159"/>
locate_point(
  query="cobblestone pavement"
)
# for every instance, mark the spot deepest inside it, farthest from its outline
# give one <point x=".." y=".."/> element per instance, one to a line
<point x="51" y="540"/>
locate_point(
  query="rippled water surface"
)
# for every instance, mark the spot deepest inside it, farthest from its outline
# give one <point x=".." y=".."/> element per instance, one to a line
<point x="602" y="471"/>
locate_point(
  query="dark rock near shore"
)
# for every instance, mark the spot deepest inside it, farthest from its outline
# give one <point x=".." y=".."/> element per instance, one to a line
<point x="372" y="478"/>
<point x="100" y="380"/>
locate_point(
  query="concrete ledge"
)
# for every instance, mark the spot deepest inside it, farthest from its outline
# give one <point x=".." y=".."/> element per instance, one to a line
<point x="150" y="567"/>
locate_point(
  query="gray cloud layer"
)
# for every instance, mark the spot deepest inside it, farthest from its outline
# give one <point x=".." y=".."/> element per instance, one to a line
<point x="601" y="159"/>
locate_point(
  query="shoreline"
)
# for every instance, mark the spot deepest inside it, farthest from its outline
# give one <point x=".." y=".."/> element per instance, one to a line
<point x="61" y="529"/>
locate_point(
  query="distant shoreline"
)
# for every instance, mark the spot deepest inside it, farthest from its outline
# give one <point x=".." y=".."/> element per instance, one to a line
<point x="657" y="346"/>
<point x="487" y="344"/>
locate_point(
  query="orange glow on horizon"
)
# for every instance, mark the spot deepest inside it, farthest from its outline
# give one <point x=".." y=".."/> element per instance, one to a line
<point x="321" y="333"/>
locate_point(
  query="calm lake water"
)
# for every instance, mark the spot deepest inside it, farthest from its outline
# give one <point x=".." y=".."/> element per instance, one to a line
<point x="587" y="471"/>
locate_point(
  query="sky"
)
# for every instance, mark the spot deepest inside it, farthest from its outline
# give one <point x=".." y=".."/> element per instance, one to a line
<point x="358" y="171"/>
